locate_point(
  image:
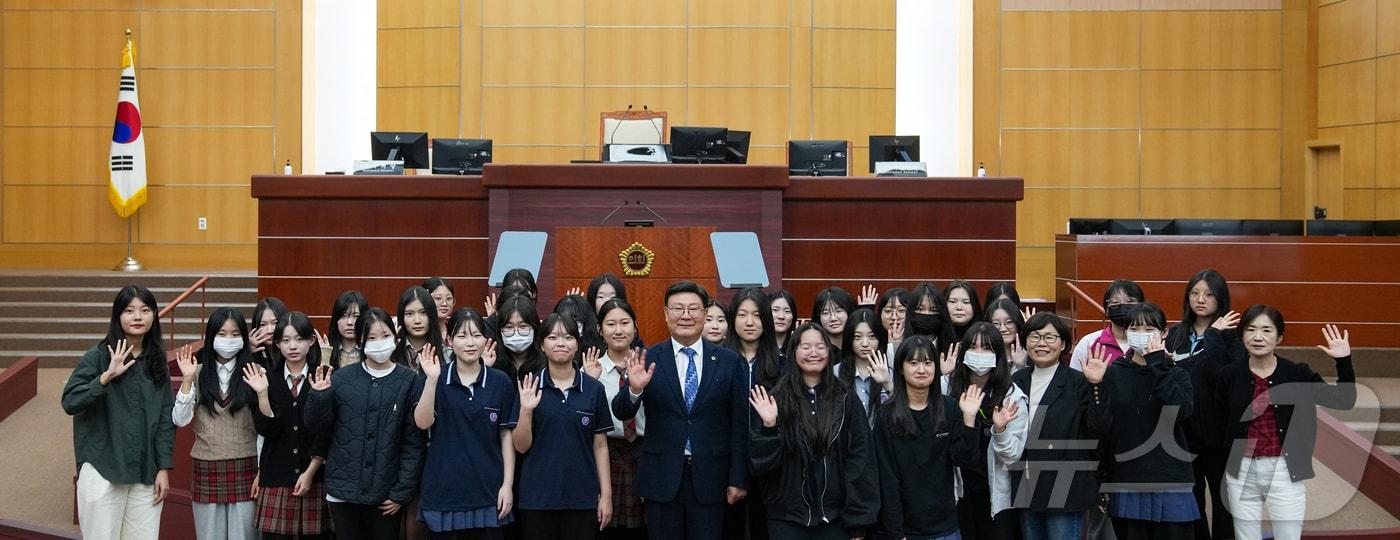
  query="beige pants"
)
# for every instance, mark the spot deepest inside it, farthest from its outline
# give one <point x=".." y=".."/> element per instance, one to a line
<point x="116" y="511"/>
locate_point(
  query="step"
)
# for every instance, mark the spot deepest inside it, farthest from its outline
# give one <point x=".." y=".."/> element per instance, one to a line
<point x="220" y="295"/>
<point x="26" y="342"/>
<point x="1387" y="413"/>
<point x="84" y="325"/>
<point x="1367" y="362"/>
<point x="115" y="280"/>
<point x="100" y="309"/>
<point x="1386" y="433"/>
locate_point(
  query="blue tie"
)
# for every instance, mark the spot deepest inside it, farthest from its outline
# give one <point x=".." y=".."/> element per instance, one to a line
<point x="692" y="385"/>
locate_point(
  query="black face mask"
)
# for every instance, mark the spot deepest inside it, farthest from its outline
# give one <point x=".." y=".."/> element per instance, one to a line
<point x="925" y="324"/>
<point x="1118" y="314"/>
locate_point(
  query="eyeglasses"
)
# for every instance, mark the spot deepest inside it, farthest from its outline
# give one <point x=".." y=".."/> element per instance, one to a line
<point x="1112" y="303"/>
<point x="508" y="331"/>
<point x="1048" y="339"/>
<point x="898" y="312"/>
<point x="1004" y="325"/>
<point x="681" y="311"/>
<point x="832" y="313"/>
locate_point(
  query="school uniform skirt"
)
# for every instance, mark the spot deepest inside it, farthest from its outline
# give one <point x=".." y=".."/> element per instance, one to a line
<point x="627" y="506"/>
<point x="223" y="482"/>
<point x="280" y="512"/>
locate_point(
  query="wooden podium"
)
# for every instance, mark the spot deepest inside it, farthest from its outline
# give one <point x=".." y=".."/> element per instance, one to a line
<point x="677" y="253"/>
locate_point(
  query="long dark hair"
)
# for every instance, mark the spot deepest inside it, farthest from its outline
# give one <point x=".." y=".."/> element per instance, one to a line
<point x="896" y="294"/>
<point x="461" y="317"/>
<point x="580" y="310"/>
<point x="1216" y="283"/>
<point x="1000" y="289"/>
<point x="279" y="310"/>
<point x="896" y="412"/>
<point x="343" y="303"/>
<point x="607" y="277"/>
<point x="848" y="339"/>
<point x="152" y="353"/>
<point x="1012" y="312"/>
<point x="833" y="297"/>
<point x="922" y="291"/>
<point x="972" y="298"/>
<point x="792" y="325"/>
<point x="766" y="359"/>
<point x="534" y="357"/>
<point x="366" y="320"/>
<point x="434" y="337"/>
<point x="521" y="277"/>
<point x="803" y="432"/>
<point x="998" y="379"/>
<point x="239" y="394"/>
<point x="301" y="324"/>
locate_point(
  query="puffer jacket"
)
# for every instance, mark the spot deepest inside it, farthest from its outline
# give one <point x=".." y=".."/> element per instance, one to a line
<point x="376" y="451"/>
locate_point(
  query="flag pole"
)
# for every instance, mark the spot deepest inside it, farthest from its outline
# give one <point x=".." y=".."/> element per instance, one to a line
<point x="130" y="264"/>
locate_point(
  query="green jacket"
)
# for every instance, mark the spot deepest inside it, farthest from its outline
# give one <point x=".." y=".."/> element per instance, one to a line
<point x="123" y="428"/>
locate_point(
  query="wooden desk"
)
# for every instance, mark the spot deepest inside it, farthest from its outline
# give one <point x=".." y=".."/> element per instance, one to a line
<point x="1350" y="281"/>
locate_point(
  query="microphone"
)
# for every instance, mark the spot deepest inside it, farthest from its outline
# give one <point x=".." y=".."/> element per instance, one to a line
<point x="615" y="128"/>
<point x="644" y="107"/>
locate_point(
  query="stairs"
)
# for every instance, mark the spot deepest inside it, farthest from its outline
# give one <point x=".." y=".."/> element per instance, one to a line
<point x="57" y="316"/>
<point x="1377" y="408"/>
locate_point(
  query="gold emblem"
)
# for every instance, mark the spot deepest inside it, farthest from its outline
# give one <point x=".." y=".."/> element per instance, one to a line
<point x="636" y="260"/>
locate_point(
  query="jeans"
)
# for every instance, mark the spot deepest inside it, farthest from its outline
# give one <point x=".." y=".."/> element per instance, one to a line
<point x="1051" y="525"/>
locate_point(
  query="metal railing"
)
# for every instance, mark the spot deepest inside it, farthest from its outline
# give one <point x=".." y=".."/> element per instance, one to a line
<point x="201" y="286"/>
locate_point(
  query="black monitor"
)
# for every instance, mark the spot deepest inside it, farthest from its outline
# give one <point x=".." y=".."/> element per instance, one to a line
<point x="410" y="147"/>
<point x="1207" y="227"/>
<point x="893" y="148"/>
<point x="460" y="156"/>
<point x="699" y="144"/>
<point x="817" y="158"/>
<point x="1327" y="227"/>
<point x="1089" y="225"/>
<point x="1387" y="228"/>
<point x="1271" y="227"/>
<point x="1140" y="226"/>
<point x="738" y="147"/>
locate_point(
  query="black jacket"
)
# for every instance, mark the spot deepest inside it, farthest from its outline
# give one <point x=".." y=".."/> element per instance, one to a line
<point x="916" y="473"/>
<point x="1063" y="440"/>
<point x="1291" y="386"/>
<point x="288" y="441"/>
<point x="1151" y="403"/>
<point x="1217" y="349"/>
<point x="849" y="489"/>
<point x="375" y="451"/>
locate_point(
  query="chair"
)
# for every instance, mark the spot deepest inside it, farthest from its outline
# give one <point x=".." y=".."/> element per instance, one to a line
<point x="631" y="127"/>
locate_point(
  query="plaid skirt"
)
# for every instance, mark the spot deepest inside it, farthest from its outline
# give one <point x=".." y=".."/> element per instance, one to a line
<point x="223" y="482"/>
<point x="280" y="512"/>
<point x="627" y="506"/>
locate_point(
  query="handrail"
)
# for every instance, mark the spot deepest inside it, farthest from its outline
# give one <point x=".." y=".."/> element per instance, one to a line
<point x="1083" y="296"/>
<point x="170" y="307"/>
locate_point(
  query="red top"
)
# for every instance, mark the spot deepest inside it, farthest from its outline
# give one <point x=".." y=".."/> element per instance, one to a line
<point x="1111" y="350"/>
<point x="1263" y="430"/>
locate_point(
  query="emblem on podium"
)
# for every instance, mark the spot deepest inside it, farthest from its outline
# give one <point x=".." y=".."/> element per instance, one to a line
<point x="636" y="260"/>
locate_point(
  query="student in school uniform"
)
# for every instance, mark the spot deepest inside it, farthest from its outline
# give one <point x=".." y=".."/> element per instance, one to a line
<point x="266" y="313"/>
<point x="716" y="323"/>
<point x="582" y="311"/>
<point x="441" y="292"/>
<point x="1008" y="320"/>
<point x="619" y="330"/>
<point x="418" y="328"/>
<point x="830" y="310"/>
<point x="469" y="471"/>
<point x="864" y="369"/>
<point x="604" y="287"/>
<point x="219" y="400"/>
<point x="920" y="436"/>
<point x="784" y="317"/>
<point x="751" y="334"/>
<point x="292" y="495"/>
<point x="813" y="442"/>
<point x="1269" y="407"/>
<point x="342" y="346"/>
<point x="560" y="433"/>
<point x="892" y="306"/>
<point x="518" y="337"/>
<point x="963" y="306"/>
<point x="375" y="456"/>
<point x="120" y="399"/>
<point x="1118" y="299"/>
<point x="1003" y="289"/>
<point x="927" y="315"/>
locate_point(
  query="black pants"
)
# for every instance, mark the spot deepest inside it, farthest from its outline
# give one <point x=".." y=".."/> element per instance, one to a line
<point x="619" y="533"/>
<point x="787" y="530"/>
<point x="492" y="533"/>
<point x="975" y="520"/>
<point x="1138" y="529"/>
<point x="685" y="517"/>
<point x="558" y="524"/>
<point x="1209" y="469"/>
<point x="364" y="522"/>
<point x="748" y="519"/>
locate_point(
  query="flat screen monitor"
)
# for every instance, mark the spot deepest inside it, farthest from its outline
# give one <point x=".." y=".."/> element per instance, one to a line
<point x="738" y="147"/>
<point x="699" y="144"/>
<point x="1140" y="226"/>
<point x="409" y="147"/>
<point x="1327" y="227"/>
<point x="1088" y="225"/>
<point x="1271" y="227"/>
<point x="893" y="148"/>
<point x="817" y="158"/>
<point x="460" y="156"/>
<point x="1208" y="227"/>
<point x="1389" y="227"/>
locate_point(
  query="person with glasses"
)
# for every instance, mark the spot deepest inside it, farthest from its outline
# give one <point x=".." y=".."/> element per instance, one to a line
<point x="1118" y="300"/>
<point x="695" y="456"/>
<point x="518" y="337"/>
<point x="892" y="307"/>
<point x="1066" y="420"/>
<point x="444" y="301"/>
<point x="1008" y="320"/>
<point x="340" y="349"/>
<point x="832" y="307"/>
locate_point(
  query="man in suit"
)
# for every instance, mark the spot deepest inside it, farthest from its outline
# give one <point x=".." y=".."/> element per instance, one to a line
<point x="695" y="455"/>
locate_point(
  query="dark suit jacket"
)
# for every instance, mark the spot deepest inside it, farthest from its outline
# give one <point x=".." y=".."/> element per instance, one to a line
<point x="1063" y="441"/>
<point x="717" y="425"/>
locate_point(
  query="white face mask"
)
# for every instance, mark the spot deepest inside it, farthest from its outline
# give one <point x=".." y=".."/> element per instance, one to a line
<point x="980" y="362"/>
<point x="380" y="350"/>
<point x="521" y="340"/>
<point x="1138" y="340"/>
<point x="227" y="347"/>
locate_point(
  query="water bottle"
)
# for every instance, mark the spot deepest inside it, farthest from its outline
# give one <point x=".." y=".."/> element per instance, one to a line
<point x="287" y="169"/>
<point x="981" y="171"/>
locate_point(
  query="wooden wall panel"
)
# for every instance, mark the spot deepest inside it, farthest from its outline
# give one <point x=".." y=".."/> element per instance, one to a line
<point x="1070" y="99"/>
<point x="556" y="56"/>
<point x="80" y="39"/>
<point x="1063" y="39"/>
<point x="206" y="39"/>
<point x="1346" y="32"/>
<point x="1358" y="153"/>
<point x="636" y="13"/>
<point x="418" y="14"/>
<point x="850" y="58"/>
<point x="1210" y="158"/>
<point x="85" y="216"/>
<point x="1346" y="94"/>
<point x="172" y="215"/>
<point x="612" y="59"/>
<point x="763" y="111"/>
<point x="713" y="56"/>
<point x="423" y="108"/>
<point x="1359" y="203"/>
<point x="531" y="12"/>
<point x="80" y="166"/>
<point x="207" y="97"/>
<point x="1176" y="39"/>
<point x="1388" y="88"/>
<point x="1210" y="203"/>
<point x="1245" y="39"/>
<point x="1388" y="155"/>
<point x="745" y="13"/>
<point x="847" y="14"/>
<point x="418" y="57"/>
<point x="44" y="97"/>
<point x="852" y="113"/>
<point x="232" y="156"/>
<point x="541" y="116"/>
<point x="1079" y="158"/>
<point x="1245" y="99"/>
<point x="1387" y="28"/>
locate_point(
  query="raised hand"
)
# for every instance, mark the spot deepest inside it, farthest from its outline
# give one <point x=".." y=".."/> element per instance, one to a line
<point x="949" y="360"/>
<point x="573" y="291"/>
<point x="488" y="353"/>
<point x="879" y="367"/>
<point x="259" y="338"/>
<point x="1017" y="354"/>
<point x="1004" y="414"/>
<point x="490" y="304"/>
<point x="255" y="377"/>
<point x="1229" y="321"/>
<point x="1096" y="365"/>
<point x="970" y="401"/>
<point x="529" y="393"/>
<point x="764" y="405"/>
<point x="1338" y="343"/>
<point x="592" y="362"/>
<point x="896" y="330"/>
<point x="121" y="359"/>
<point x="867" y="296"/>
<point x="432" y="368"/>
<point x="321" y="339"/>
<point x="1154" y="344"/>
<point x="638" y="373"/>
<point x="321" y="379"/>
<point x="184" y="358"/>
<point x="1027" y="311"/>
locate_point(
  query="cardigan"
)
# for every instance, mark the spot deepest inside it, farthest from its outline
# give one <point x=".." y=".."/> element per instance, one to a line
<point x="1293" y="387"/>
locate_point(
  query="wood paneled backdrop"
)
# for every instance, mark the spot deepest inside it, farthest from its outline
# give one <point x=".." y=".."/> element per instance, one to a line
<point x="220" y="90"/>
<point x="534" y="74"/>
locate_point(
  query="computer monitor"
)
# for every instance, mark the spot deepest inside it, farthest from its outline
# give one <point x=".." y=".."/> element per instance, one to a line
<point x="699" y="144"/>
<point x="1327" y="227"/>
<point x="460" y="156"/>
<point x="1140" y="226"/>
<point x="1207" y="227"/>
<point x="1388" y="227"/>
<point x="409" y="147"/>
<point x="817" y="158"/>
<point x="738" y="147"/>
<point x="1271" y="227"/>
<point x="1089" y="225"/>
<point x="893" y="148"/>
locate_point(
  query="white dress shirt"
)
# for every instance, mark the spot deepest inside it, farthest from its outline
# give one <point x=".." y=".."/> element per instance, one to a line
<point x="682" y="362"/>
<point x="611" y="380"/>
<point x="183" y="413"/>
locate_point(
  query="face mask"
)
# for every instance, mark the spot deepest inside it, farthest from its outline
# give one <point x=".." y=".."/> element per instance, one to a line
<point x="925" y="324"/>
<point x="1118" y="313"/>
<point x="520" y="341"/>
<point x="227" y="347"/>
<point x="1138" y="340"/>
<point x="379" y="350"/>
<point x="980" y="362"/>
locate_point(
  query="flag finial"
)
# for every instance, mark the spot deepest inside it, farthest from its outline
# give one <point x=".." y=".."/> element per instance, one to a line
<point x="128" y="33"/>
